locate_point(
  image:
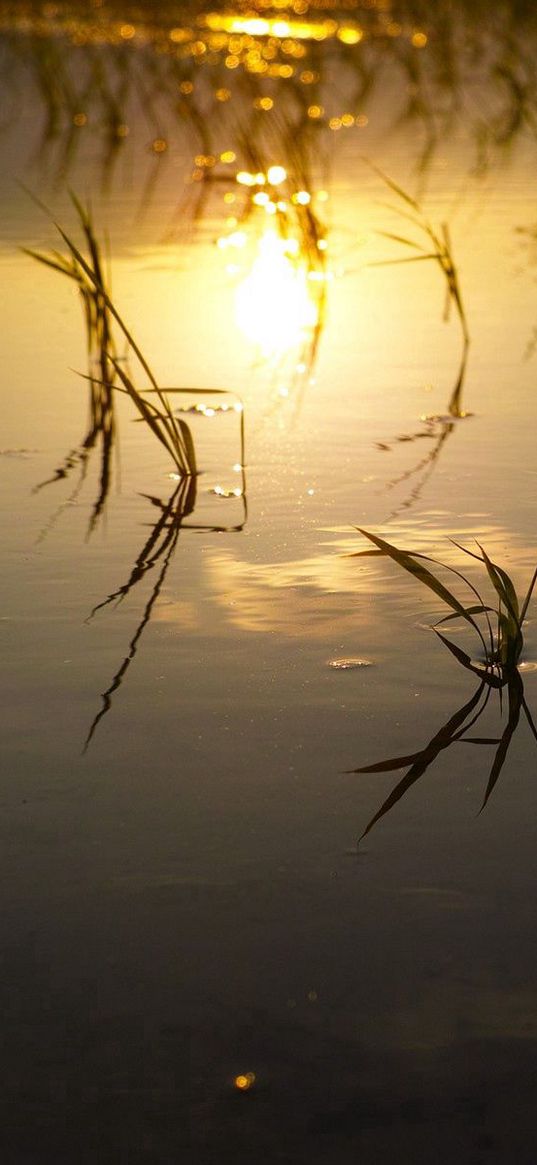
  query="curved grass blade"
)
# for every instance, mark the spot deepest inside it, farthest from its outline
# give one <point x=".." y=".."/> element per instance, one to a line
<point x="480" y="610"/>
<point x="465" y="660"/>
<point x="406" y="561"/>
<point x="503" y="586"/>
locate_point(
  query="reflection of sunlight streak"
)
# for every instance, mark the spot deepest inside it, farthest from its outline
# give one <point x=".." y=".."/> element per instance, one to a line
<point x="281" y="27"/>
<point x="273" y="304"/>
<point x="332" y="591"/>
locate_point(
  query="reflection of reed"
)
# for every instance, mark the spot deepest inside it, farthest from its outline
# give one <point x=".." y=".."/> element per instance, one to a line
<point x="157" y="551"/>
<point x="156" y="554"/>
<point x="435" y="246"/>
<point x="454" y="731"/>
<point x="101" y="432"/>
<point x="436" y="429"/>
<point x="501" y="645"/>
<point x="182" y="68"/>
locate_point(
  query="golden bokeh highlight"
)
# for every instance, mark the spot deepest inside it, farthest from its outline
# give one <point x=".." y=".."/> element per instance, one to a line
<point x="244" y="1081"/>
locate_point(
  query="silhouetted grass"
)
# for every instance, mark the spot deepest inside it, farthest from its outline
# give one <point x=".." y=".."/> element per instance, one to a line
<point x="502" y="641"/>
<point x="100" y="314"/>
<point x="108" y="79"/>
<point x="435" y="247"/>
<point x="101" y="354"/>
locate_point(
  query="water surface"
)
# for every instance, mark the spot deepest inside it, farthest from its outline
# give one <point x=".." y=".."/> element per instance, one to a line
<point x="184" y="902"/>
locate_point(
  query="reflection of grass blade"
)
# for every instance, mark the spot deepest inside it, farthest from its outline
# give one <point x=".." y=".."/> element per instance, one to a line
<point x="180" y="505"/>
<point x="189" y="445"/>
<point x="516" y="694"/>
<point x="133" y="647"/>
<point x="421" y="761"/>
<point x="159" y="547"/>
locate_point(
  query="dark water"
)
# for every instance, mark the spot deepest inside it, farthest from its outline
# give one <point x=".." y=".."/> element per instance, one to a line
<point x="184" y="903"/>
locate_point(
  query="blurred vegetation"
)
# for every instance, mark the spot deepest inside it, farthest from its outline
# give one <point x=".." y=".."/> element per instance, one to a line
<point x="278" y="78"/>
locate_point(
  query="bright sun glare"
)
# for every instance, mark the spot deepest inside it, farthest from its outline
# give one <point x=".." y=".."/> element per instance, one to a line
<point x="273" y="304"/>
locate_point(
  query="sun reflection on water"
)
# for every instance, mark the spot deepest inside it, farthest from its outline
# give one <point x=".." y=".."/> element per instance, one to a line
<point x="274" y="306"/>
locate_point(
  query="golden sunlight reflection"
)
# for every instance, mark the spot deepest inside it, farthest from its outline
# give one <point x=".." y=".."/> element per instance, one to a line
<point x="274" y="306"/>
<point x="283" y="597"/>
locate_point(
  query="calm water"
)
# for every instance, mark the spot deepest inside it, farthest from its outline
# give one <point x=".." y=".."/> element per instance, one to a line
<point x="184" y="902"/>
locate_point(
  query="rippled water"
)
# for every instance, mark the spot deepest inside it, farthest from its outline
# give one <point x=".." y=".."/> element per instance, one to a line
<point x="184" y="900"/>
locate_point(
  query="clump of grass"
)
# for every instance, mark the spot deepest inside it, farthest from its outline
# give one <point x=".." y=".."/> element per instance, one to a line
<point x="90" y="278"/>
<point x="502" y="642"/>
<point x="436" y="247"/>
<point x="88" y="273"/>
<point x="501" y="638"/>
<point x="101" y="352"/>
